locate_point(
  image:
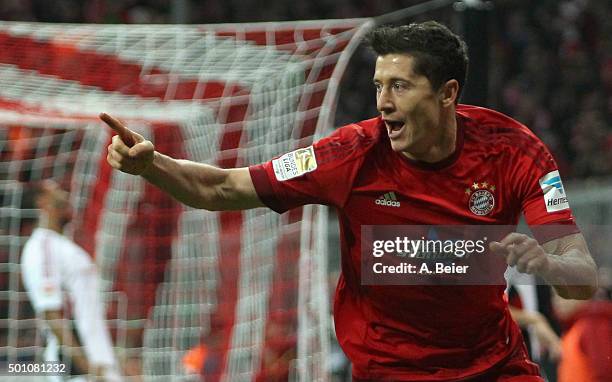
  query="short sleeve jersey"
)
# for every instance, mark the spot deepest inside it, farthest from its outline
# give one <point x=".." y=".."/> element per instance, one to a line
<point x="418" y="333"/>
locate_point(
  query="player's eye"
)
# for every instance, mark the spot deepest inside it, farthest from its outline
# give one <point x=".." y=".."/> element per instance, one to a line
<point x="399" y="85"/>
<point x="378" y="88"/>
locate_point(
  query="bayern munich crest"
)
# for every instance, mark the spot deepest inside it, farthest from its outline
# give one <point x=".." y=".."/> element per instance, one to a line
<point x="480" y="198"/>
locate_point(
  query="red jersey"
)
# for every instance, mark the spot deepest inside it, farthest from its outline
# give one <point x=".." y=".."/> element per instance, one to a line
<point x="421" y="333"/>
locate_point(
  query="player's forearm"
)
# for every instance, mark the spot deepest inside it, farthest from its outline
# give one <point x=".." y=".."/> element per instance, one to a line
<point x="198" y="185"/>
<point x="193" y="184"/>
<point x="573" y="275"/>
<point x="62" y="331"/>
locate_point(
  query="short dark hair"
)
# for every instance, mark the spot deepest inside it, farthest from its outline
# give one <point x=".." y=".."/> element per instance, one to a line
<point x="439" y="54"/>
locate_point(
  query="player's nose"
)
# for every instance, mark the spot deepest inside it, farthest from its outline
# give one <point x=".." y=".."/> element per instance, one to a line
<point x="384" y="103"/>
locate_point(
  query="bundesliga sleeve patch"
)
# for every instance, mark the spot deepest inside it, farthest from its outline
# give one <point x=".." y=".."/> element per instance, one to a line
<point x="554" y="192"/>
<point x="294" y="164"/>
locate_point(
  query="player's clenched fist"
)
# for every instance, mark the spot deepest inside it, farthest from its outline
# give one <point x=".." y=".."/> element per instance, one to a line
<point x="524" y="252"/>
<point x="128" y="151"/>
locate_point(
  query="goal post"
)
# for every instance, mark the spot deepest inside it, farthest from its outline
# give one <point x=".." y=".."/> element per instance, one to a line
<point x="229" y="95"/>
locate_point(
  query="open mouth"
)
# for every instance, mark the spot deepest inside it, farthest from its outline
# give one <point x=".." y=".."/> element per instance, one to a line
<point x="393" y="127"/>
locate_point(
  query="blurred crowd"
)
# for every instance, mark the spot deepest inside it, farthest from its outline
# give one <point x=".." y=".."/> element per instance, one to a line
<point x="550" y="61"/>
<point x="552" y="70"/>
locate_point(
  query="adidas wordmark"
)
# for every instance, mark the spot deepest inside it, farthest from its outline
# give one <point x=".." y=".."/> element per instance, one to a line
<point x="388" y="199"/>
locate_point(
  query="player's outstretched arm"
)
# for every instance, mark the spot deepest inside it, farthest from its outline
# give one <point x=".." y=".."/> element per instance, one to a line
<point x="194" y="184"/>
<point x="565" y="263"/>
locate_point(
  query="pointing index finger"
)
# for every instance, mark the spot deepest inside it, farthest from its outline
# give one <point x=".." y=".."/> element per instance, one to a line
<point x="124" y="133"/>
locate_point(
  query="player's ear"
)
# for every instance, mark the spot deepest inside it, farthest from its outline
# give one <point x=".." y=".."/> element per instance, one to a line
<point x="448" y="92"/>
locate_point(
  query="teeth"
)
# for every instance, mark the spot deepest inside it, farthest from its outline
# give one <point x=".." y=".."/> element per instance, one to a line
<point x="395" y="125"/>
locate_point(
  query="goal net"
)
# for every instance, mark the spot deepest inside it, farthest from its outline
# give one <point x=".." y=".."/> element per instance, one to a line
<point x="248" y="289"/>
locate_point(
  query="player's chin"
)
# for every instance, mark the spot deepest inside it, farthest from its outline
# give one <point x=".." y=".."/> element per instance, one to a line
<point x="402" y="145"/>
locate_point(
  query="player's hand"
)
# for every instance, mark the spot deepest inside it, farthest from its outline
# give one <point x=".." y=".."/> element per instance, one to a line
<point x="549" y="340"/>
<point x="523" y="252"/>
<point x="129" y="151"/>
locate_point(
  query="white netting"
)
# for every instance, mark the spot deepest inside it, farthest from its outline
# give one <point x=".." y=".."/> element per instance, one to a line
<point x="242" y="283"/>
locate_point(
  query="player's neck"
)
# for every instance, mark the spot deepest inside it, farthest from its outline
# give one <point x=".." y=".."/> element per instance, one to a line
<point x="444" y="147"/>
<point x="52" y="224"/>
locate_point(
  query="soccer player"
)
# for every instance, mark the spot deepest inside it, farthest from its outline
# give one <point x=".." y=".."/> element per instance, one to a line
<point x="419" y="162"/>
<point x="55" y="270"/>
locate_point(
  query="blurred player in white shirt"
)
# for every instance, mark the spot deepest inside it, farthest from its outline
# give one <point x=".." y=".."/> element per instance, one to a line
<point x="56" y="271"/>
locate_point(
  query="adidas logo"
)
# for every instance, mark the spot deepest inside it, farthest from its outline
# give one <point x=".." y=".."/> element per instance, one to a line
<point x="388" y="199"/>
